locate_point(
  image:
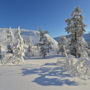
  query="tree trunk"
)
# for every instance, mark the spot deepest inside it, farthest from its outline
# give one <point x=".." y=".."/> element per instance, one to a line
<point x="76" y="43"/>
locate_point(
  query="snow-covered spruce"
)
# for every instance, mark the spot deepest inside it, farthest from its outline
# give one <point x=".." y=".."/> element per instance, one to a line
<point x="19" y="47"/>
<point x="75" y="27"/>
<point x="30" y="49"/>
<point x="10" y="38"/>
<point x="44" y="44"/>
<point x="7" y="56"/>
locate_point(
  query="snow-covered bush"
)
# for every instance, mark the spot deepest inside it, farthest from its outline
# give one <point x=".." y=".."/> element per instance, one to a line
<point x="10" y="59"/>
<point x="76" y="67"/>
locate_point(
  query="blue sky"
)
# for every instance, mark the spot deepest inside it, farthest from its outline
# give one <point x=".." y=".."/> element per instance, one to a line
<point x="48" y="14"/>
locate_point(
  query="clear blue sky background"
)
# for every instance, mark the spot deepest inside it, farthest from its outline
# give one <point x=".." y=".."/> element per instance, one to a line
<point x="48" y="14"/>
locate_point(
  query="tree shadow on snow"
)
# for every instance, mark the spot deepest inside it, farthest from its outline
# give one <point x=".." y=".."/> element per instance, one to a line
<point x="49" y="76"/>
<point x="42" y="80"/>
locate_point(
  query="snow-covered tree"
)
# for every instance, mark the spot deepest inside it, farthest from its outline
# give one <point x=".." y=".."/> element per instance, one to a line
<point x="10" y="42"/>
<point x="19" y="46"/>
<point x="77" y="67"/>
<point x="44" y="44"/>
<point x="30" y="48"/>
<point x="63" y="44"/>
<point x="76" y="28"/>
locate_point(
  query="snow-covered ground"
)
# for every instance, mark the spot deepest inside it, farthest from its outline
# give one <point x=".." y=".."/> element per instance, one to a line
<point x="39" y="74"/>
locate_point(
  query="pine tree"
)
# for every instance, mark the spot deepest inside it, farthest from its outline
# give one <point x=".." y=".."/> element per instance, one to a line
<point x="19" y="46"/>
<point x="10" y="37"/>
<point x="44" y="44"/>
<point x="76" y="28"/>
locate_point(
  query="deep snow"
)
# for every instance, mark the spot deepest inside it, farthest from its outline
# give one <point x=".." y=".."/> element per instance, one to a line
<point x="39" y="74"/>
